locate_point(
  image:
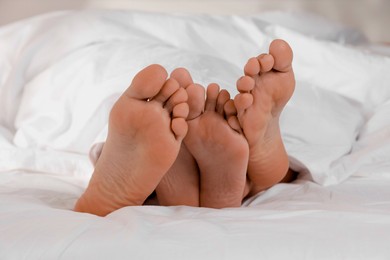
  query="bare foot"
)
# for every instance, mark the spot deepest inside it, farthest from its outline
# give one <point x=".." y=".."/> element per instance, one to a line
<point x="220" y="152"/>
<point x="180" y="186"/>
<point x="146" y="128"/>
<point x="264" y="91"/>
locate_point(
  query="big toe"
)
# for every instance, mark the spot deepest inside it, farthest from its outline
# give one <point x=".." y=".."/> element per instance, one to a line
<point x="196" y="100"/>
<point x="211" y="97"/>
<point x="148" y="82"/>
<point x="182" y="76"/>
<point x="283" y="55"/>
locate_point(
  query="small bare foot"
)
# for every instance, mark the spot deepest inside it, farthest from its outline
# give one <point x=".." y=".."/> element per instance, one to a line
<point x="180" y="186"/>
<point x="264" y="91"/>
<point x="220" y="152"/>
<point x="146" y="128"/>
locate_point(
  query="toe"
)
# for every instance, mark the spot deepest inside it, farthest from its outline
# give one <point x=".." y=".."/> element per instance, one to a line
<point x="230" y="109"/>
<point x="180" y="111"/>
<point x="180" y="96"/>
<point x="223" y="97"/>
<point x="147" y="83"/>
<point x="196" y="100"/>
<point x="242" y="102"/>
<point x="182" y="76"/>
<point x="231" y="116"/>
<point x="179" y="127"/>
<point x="245" y="84"/>
<point x="252" y="67"/>
<point x="282" y="54"/>
<point x="170" y="87"/>
<point x="211" y="97"/>
<point x="266" y="62"/>
<point x="234" y="124"/>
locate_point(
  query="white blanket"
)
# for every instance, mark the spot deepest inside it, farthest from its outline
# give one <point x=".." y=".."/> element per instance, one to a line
<point x="60" y="74"/>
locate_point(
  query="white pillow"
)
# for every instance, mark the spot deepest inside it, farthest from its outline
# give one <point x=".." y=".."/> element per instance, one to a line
<point x="318" y="128"/>
<point x="370" y="156"/>
<point x="309" y="24"/>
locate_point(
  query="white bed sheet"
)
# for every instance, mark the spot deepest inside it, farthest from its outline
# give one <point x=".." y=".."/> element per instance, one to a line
<point x="290" y="221"/>
<point x="49" y="66"/>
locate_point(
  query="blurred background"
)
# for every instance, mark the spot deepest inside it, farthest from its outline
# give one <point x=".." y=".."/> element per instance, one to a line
<point x="370" y="16"/>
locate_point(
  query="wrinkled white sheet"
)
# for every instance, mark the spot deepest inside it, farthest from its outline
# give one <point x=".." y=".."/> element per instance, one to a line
<point x="60" y="74"/>
<point x="296" y="221"/>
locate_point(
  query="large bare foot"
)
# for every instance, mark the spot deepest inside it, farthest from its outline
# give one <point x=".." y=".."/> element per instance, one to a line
<point x="220" y="152"/>
<point x="264" y="91"/>
<point x="180" y="186"/>
<point x="146" y="127"/>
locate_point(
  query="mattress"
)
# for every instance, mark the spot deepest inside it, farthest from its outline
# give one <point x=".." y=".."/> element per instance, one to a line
<point x="60" y="74"/>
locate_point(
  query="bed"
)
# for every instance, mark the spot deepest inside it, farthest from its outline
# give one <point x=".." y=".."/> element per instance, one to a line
<point x="61" y="72"/>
